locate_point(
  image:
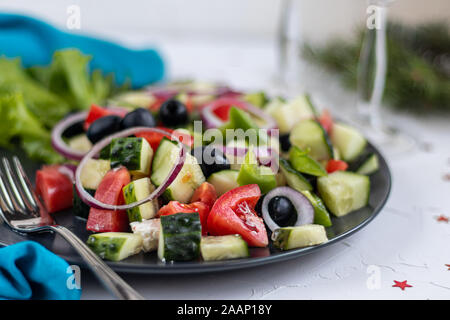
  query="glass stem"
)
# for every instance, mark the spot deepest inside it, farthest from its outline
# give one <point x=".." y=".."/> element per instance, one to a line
<point x="380" y="71"/>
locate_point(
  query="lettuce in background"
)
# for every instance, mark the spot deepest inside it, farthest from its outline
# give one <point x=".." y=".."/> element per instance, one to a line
<point x="33" y="100"/>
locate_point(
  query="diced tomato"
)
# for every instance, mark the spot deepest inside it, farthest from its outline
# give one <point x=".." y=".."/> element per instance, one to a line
<point x="110" y="191"/>
<point x="157" y="104"/>
<point x="221" y="107"/>
<point x="54" y="187"/>
<point x="96" y="112"/>
<point x="154" y="138"/>
<point x="206" y="193"/>
<point x="335" y="165"/>
<point x="326" y="121"/>
<point x="233" y="213"/>
<point x="184" y="138"/>
<point x="176" y="207"/>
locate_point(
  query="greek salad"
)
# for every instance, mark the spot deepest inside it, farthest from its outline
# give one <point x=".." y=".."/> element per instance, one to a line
<point x="164" y="170"/>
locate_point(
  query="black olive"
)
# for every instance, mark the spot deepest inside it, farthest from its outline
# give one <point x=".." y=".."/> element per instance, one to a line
<point x="138" y="118"/>
<point x="75" y="129"/>
<point x="173" y="113"/>
<point x="282" y="211"/>
<point x="284" y="142"/>
<point x="103" y="127"/>
<point x="210" y="159"/>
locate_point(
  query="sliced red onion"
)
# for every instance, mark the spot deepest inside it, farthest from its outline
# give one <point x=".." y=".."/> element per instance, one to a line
<point x="213" y="121"/>
<point x="68" y="170"/>
<point x="56" y="138"/>
<point x="94" y="203"/>
<point x="58" y="143"/>
<point x="304" y="208"/>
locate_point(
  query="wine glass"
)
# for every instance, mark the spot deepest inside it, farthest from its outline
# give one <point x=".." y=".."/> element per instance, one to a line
<point x="371" y="79"/>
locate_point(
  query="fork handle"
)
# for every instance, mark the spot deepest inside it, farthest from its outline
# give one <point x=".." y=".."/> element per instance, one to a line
<point x="111" y="280"/>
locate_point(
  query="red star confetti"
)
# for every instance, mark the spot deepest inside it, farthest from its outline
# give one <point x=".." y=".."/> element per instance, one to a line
<point x="442" y="218"/>
<point x="401" y="284"/>
<point x="448" y="266"/>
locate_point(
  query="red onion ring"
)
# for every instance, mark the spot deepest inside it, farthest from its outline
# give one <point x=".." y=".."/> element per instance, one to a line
<point x="58" y="143"/>
<point x="68" y="170"/>
<point x="213" y="121"/>
<point x="94" y="203"/>
<point x="56" y="137"/>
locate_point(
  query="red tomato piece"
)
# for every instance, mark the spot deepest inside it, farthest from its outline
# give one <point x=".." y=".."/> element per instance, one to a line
<point x="96" y="112"/>
<point x="55" y="188"/>
<point x="221" y="107"/>
<point x="233" y="213"/>
<point x="205" y="193"/>
<point x="154" y="138"/>
<point x="110" y="191"/>
<point x="335" y="165"/>
<point x="326" y="121"/>
<point x="184" y="138"/>
<point x="176" y="207"/>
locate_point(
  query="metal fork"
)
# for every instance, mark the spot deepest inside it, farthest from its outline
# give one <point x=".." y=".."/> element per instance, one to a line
<point x="24" y="213"/>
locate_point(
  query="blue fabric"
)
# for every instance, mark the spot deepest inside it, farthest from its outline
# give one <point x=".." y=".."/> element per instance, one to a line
<point x="30" y="271"/>
<point x="35" y="41"/>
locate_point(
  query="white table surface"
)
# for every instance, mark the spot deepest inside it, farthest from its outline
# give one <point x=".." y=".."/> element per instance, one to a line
<point x="405" y="242"/>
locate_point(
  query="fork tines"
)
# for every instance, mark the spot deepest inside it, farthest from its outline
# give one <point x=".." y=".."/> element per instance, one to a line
<point x="16" y="191"/>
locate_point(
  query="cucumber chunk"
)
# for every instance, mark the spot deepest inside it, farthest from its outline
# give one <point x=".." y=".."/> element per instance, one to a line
<point x="294" y="179"/>
<point x="370" y="165"/>
<point x="138" y="190"/>
<point x="149" y="231"/>
<point x="80" y="143"/>
<point x="133" y="153"/>
<point x="258" y="99"/>
<point x="224" y="181"/>
<point x="321" y="215"/>
<point x="348" y="141"/>
<point x="93" y="173"/>
<point x="223" y="247"/>
<point x="344" y="191"/>
<point x="299" y="237"/>
<point x="179" y="237"/>
<point x="115" y="246"/>
<point x="288" y="114"/>
<point x="189" y="178"/>
<point x="302" y="162"/>
<point x="309" y="134"/>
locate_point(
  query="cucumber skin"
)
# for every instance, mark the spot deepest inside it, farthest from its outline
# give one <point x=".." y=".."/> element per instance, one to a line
<point x="286" y="169"/>
<point x="110" y="246"/>
<point x="134" y="214"/>
<point x="126" y="152"/>
<point x="316" y="153"/>
<point x="206" y="249"/>
<point x="282" y="241"/>
<point x="80" y="208"/>
<point x="321" y="215"/>
<point x="182" y="233"/>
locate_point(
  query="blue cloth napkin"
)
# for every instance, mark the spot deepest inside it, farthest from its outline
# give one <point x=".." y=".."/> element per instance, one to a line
<point x="30" y="271"/>
<point x="35" y="41"/>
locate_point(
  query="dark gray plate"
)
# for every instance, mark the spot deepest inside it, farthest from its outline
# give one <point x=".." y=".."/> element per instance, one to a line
<point x="148" y="263"/>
